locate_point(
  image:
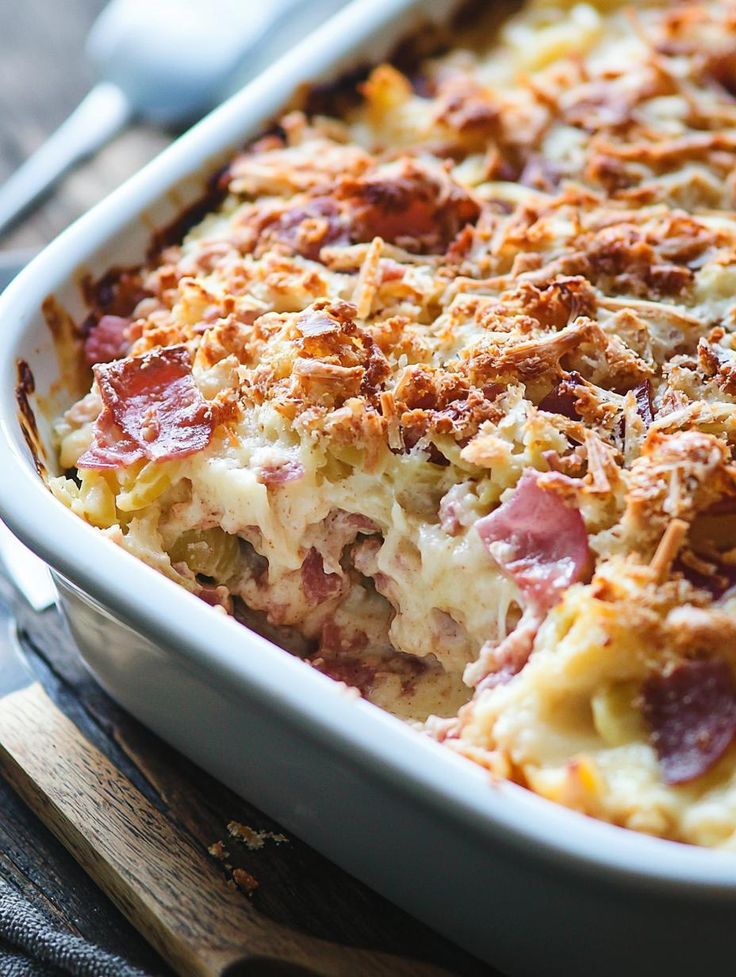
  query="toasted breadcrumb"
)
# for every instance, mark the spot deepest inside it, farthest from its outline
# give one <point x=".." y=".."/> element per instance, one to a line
<point x="253" y="839"/>
<point x="245" y="881"/>
<point x="217" y="850"/>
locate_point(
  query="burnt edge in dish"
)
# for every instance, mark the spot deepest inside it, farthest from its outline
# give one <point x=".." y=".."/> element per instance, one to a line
<point x="25" y="387"/>
<point x="116" y="292"/>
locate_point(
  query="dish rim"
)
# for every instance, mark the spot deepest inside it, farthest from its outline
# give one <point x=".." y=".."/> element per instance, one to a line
<point x="142" y="598"/>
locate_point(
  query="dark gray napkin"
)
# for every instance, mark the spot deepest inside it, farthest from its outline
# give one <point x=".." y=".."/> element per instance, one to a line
<point x="31" y="946"/>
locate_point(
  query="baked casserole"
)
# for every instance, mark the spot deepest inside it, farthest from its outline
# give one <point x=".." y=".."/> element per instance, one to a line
<point x="441" y="395"/>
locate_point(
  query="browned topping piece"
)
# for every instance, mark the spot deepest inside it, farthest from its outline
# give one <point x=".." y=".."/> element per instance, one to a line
<point x="415" y="205"/>
<point x="305" y="228"/>
<point x="218" y="851"/>
<point x="245" y="881"/>
<point x="643" y="394"/>
<point x="253" y="839"/>
<point x="668" y="548"/>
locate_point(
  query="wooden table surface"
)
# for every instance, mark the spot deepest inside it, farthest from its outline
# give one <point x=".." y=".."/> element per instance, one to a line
<point x="42" y="77"/>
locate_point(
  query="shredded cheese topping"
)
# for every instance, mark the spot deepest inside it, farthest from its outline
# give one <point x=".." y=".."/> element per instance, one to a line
<point x="516" y="268"/>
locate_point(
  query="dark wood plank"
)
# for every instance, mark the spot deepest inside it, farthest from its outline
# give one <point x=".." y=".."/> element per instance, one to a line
<point x="297" y="887"/>
<point x="155" y="871"/>
<point x="33" y="861"/>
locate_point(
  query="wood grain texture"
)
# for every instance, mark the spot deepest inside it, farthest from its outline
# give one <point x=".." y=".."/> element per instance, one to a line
<point x="303" y="904"/>
<point x="153" y="871"/>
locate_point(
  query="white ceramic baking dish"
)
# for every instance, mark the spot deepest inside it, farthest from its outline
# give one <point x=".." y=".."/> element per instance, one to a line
<point x="533" y="888"/>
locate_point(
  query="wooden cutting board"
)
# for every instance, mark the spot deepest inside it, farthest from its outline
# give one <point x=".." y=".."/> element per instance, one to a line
<point x="142" y="821"/>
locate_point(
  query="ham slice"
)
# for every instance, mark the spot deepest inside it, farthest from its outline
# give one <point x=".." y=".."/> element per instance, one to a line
<point x="561" y="400"/>
<point x="279" y="473"/>
<point x="539" y="540"/>
<point x="541" y="543"/>
<point x="691" y="713"/>
<point x="643" y="394"/>
<point x="318" y="585"/>
<point x="108" y="340"/>
<point x="152" y="409"/>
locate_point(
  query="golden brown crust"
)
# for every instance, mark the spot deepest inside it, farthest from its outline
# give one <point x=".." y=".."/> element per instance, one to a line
<point x="582" y="291"/>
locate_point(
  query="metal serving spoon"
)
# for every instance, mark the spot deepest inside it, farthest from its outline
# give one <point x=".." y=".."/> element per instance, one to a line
<point x="167" y="61"/>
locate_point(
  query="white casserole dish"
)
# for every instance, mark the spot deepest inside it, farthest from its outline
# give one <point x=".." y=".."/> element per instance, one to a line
<point x="532" y="888"/>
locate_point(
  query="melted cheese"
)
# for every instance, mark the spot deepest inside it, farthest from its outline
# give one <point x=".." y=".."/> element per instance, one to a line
<point x="388" y="298"/>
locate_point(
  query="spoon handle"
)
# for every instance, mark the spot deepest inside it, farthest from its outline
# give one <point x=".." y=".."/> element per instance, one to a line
<point x="101" y="114"/>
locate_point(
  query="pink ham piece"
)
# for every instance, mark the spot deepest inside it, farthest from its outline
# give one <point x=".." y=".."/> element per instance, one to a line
<point x="152" y="409"/>
<point x="216" y="597"/>
<point x="541" y="543"/>
<point x="318" y="585"/>
<point x="539" y="540"/>
<point x="643" y="394"/>
<point x="691" y="713"/>
<point x="280" y="472"/>
<point x="560" y="400"/>
<point x="563" y="398"/>
<point x="108" y="340"/>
